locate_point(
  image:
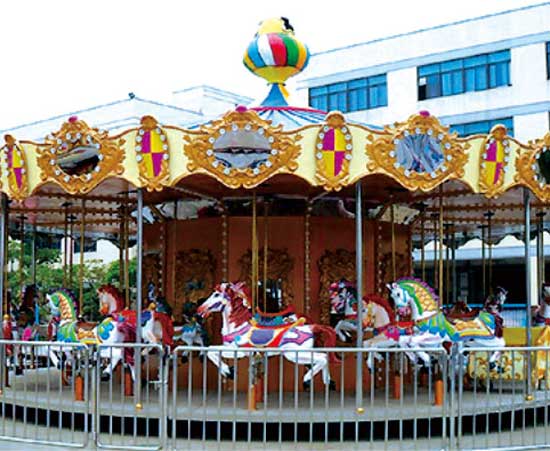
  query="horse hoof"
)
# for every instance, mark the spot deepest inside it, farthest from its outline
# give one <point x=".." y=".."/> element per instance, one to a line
<point x="184" y="359"/>
<point x="306" y="385"/>
<point x="105" y="377"/>
<point x="332" y="385"/>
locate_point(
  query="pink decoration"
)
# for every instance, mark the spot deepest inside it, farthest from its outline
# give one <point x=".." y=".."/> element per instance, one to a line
<point x="73" y="119"/>
<point x="241" y="109"/>
<point x="424" y="113"/>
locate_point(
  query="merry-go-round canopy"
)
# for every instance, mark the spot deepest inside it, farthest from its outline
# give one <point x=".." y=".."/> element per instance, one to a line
<point x="276" y="148"/>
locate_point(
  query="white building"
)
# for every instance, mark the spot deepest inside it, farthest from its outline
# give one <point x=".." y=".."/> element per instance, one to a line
<point x="470" y="74"/>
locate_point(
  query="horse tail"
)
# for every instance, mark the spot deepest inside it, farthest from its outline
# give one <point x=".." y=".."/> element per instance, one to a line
<point x="128" y="330"/>
<point x="328" y="336"/>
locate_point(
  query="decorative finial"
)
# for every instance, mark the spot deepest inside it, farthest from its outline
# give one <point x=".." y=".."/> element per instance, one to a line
<point x="276" y="55"/>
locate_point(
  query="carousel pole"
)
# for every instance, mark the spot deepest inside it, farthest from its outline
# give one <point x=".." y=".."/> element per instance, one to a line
<point x="33" y="255"/>
<point x="139" y="295"/>
<point x="447" y="263"/>
<point x="71" y="249"/>
<point x="3" y="239"/>
<point x="423" y="243"/>
<point x="540" y="252"/>
<point x="225" y="272"/>
<point x="435" y="259"/>
<point x="489" y="216"/>
<point x="527" y="233"/>
<point x="65" y="243"/>
<point x="483" y="263"/>
<point x="121" y="250"/>
<point x="266" y="249"/>
<point x="453" y="270"/>
<point x="254" y="254"/>
<point x="21" y="251"/>
<point x="127" y="256"/>
<point x="359" y="276"/>
<point x="81" y="256"/>
<point x="392" y="221"/>
<point x="307" y="257"/>
<point x="440" y="246"/>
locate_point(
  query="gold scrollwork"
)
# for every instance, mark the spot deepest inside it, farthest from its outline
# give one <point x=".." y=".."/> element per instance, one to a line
<point x="528" y="167"/>
<point x="152" y="275"/>
<point x="76" y="145"/>
<point x="493" y="161"/>
<point x="14" y="163"/>
<point x="333" y="152"/>
<point x="280" y="150"/>
<point x="333" y="266"/>
<point x="152" y="154"/>
<point x="383" y="153"/>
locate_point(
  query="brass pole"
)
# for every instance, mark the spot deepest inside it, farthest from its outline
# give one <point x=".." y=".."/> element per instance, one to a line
<point x="121" y="249"/>
<point x="254" y="254"/>
<point x="66" y="244"/>
<point x="266" y="248"/>
<point x="307" y="257"/>
<point x="127" y="257"/>
<point x="447" y="263"/>
<point x="392" y="220"/>
<point x="81" y="263"/>
<point x="490" y="251"/>
<point x="71" y="249"/>
<point x="423" y="244"/>
<point x="435" y="259"/>
<point x="21" y="253"/>
<point x="440" y="245"/>
<point x="225" y="272"/>
<point x="483" y="263"/>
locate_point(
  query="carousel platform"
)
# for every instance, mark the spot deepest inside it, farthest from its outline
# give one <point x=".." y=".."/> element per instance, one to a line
<point x="39" y="397"/>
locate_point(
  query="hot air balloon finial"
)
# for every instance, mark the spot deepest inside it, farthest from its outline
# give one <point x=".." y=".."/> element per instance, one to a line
<point x="276" y="55"/>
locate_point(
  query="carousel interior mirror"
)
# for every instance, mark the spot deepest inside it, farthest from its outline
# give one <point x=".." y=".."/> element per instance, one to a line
<point x="241" y="148"/>
<point x="80" y="159"/>
<point x="421" y="153"/>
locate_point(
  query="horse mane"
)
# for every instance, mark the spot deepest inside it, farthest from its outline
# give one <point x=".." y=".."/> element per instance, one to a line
<point x="167" y="328"/>
<point x="382" y="302"/>
<point x="70" y="295"/>
<point x="115" y="293"/>
<point x="415" y="280"/>
<point x="240" y="312"/>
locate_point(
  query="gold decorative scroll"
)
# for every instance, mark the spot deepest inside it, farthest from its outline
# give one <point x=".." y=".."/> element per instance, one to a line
<point x="75" y="134"/>
<point x="152" y="275"/>
<point x="328" y="155"/>
<point x="333" y="266"/>
<point x="384" y="149"/>
<point x="146" y="150"/>
<point x="283" y="149"/>
<point x="528" y="167"/>
<point x="493" y="161"/>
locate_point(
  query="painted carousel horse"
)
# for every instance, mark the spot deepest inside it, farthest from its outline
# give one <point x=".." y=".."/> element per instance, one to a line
<point x="240" y="330"/>
<point x="113" y="329"/>
<point x="378" y="317"/>
<point x="542" y="316"/>
<point x="433" y="329"/>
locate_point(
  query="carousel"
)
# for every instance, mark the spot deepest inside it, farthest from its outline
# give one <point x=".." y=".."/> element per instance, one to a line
<point x="262" y="230"/>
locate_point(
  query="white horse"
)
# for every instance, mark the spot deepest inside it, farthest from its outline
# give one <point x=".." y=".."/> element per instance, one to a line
<point x="240" y="331"/>
<point x="433" y="329"/>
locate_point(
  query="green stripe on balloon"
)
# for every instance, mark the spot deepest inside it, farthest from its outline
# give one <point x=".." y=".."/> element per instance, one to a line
<point x="292" y="50"/>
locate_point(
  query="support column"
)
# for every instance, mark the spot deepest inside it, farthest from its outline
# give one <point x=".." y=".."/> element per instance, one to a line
<point x="3" y="240"/>
<point x="527" y="227"/>
<point x="33" y="256"/>
<point x="359" y="269"/>
<point x="139" y="294"/>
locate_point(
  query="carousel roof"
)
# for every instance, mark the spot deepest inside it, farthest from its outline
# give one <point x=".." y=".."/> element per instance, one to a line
<point x="277" y="148"/>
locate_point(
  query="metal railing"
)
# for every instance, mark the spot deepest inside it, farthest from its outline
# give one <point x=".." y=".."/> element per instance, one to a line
<point x="468" y="398"/>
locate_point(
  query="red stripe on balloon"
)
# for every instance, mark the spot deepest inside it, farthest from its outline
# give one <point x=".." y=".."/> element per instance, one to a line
<point x="278" y="49"/>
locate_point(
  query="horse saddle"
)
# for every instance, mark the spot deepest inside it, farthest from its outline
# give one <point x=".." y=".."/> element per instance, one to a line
<point x="267" y="337"/>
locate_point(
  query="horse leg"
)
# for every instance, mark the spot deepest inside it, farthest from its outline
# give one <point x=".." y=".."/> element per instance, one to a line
<point x="216" y="358"/>
<point x="318" y="362"/>
<point x="116" y="356"/>
<point x="338" y="329"/>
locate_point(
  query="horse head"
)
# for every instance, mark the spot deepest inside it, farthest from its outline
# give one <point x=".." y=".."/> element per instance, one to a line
<point x="110" y="300"/>
<point x="399" y="295"/>
<point x="217" y="301"/>
<point x="546" y="293"/>
<point x="342" y="294"/>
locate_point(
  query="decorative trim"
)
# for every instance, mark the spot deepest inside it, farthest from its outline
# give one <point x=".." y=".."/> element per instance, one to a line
<point x="14" y="163"/>
<point x="283" y="149"/>
<point x="333" y="152"/>
<point x="528" y="167"/>
<point x="383" y="152"/>
<point x="152" y="154"/>
<point x="195" y="275"/>
<point x="77" y="134"/>
<point x="493" y="161"/>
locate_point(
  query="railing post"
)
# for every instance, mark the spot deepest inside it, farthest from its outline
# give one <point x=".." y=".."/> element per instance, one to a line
<point x="359" y="269"/>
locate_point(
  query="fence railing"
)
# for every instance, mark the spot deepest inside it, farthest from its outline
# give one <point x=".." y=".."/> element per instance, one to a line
<point x="469" y="398"/>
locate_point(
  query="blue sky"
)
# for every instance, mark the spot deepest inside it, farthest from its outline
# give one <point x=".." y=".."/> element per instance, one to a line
<point x="63" y="55"/>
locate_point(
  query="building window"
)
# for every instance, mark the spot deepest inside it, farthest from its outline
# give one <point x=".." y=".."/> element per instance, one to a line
<point x="353" y="95"/>
<point x="475" y="73"/>
<point x="483" y="127"/>
<point x="548" y="60"/>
